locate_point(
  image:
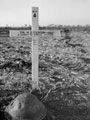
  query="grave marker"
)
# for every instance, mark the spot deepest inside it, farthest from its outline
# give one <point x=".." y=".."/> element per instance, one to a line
<point x="35" y="27"/>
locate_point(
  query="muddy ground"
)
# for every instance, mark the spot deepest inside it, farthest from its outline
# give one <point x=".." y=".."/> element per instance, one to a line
<point x="64" y="73"/>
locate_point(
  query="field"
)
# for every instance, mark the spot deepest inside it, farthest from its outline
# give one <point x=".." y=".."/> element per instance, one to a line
<point x="64" y="73"/>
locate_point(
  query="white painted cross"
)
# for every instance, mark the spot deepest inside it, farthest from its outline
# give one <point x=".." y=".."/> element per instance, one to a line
<point x="35" y="27"/>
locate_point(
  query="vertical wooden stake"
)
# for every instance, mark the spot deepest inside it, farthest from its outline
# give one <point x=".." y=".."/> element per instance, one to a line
<point x="35" y="27"/>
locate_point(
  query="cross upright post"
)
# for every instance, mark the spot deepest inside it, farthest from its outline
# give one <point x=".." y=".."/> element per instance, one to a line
<point x="35" y="27"/>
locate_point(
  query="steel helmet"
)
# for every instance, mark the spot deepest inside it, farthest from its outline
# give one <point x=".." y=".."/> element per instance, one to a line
<point x="26" y="107"/>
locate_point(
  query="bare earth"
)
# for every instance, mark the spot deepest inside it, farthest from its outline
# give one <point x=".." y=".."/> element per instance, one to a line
<point x="64" y="68"/>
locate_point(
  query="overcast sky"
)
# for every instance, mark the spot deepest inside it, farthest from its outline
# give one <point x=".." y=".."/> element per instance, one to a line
<point x="63" y="12"/>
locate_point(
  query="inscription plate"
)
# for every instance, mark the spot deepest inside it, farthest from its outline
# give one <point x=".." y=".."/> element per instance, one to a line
<point x="35" y="41"/>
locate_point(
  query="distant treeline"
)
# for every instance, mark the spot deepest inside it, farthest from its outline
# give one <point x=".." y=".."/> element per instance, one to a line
<point x="59" y="27"/>
<point x="4" y="31"/>
<point x="72" y="28"/>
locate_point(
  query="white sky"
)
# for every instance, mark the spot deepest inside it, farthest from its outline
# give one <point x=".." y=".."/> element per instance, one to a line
<point x="63" y="12"/>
